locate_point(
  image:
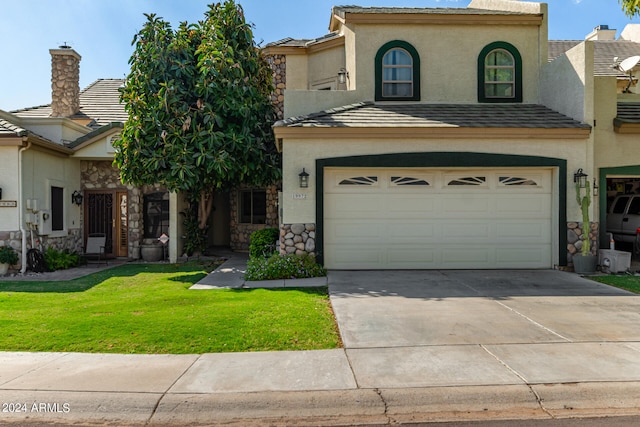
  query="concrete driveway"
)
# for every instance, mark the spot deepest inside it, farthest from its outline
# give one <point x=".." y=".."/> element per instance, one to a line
<point x="453" y="328"/>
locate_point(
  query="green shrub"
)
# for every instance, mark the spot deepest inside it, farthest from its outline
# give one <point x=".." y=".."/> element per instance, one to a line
<point x="8" y="255"/>
<point x="283" y="267"/>
<point x="57" y="260"/>
<point x="262" y="242"/>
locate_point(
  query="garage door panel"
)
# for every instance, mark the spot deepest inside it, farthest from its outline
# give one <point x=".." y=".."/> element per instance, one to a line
<point x="361" y="258"/>
<point x="465" y="207"/>
<point x="535" y="257"/>
<point x="409" y="231"/>
<point x="468" y="231"/>
<point x="362" y="232"/>
<point x="532" y="205"/>
<point x="497" y="224"/>
<point x="534" y="231"/>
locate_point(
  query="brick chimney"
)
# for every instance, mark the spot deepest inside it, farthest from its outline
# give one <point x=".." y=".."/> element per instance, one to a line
<point x="65" y="81"/>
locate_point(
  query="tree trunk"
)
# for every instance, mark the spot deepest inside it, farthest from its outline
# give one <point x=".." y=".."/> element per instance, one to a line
<point x="205" y="205"/>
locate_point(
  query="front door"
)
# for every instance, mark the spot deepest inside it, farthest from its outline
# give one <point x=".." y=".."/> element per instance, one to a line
<point x="106" y="212"/>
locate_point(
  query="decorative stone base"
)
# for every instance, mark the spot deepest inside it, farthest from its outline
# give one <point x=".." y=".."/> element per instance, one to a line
<point x="575" y="238"/>
<point x="298" y="239"/>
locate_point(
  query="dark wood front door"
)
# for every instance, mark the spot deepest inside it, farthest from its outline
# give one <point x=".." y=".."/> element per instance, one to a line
<point x="106" y="212"/>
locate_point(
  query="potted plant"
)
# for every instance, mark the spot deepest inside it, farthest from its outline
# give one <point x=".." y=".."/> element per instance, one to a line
<point x="584" y="262"/>
<point x="8" y="257"/>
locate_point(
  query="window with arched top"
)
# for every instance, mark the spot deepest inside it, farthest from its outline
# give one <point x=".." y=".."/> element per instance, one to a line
<point x="499" y="73"/>
<point x="397" y="72"/>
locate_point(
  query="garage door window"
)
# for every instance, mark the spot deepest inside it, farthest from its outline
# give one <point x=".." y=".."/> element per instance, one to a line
<point x="469" y="180"/>
<point x="511" y="180"/>
<point x="406" y="180"/>
<point x="360" y="180"/>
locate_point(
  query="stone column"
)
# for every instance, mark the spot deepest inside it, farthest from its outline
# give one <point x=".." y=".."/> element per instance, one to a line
<point x="65" y="82"/>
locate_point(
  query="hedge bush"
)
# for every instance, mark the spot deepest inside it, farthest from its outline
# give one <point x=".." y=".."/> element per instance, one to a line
<point x="57" y="260"/>
<point x="283" y="267"/>
<point x="262" y="242"/>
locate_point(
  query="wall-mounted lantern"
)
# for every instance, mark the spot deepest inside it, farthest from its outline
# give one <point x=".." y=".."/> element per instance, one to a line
<point x="343" y="75"/>
<point x="304" y="179"/>
<point x="76" y="198"/>
<point x="580" y="178"/>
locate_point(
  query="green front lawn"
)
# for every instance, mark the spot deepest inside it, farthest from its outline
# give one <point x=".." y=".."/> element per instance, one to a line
<point x="630" y="283"/>
<point x="141" y="308"/>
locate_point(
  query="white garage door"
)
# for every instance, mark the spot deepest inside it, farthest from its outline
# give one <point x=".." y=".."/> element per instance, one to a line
<point x="437" y="219"/>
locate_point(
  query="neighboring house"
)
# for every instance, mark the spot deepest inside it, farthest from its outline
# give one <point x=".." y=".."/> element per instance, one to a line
<point x="50" y="155"/>
<point x="445" y="138"/>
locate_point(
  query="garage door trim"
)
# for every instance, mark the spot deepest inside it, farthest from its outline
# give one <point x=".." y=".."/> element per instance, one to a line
<point x="441" y="160"/>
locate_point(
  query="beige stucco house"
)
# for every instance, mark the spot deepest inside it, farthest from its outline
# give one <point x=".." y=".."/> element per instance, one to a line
<point x="51" y="154"/>
<point x="449" y="137"/>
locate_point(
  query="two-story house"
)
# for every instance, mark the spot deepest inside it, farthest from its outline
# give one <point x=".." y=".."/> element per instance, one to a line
<point x="444" y="138"/>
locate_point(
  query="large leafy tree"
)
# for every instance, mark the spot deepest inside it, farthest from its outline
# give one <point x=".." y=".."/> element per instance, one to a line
<point x="199" y="109"/>
<point x="630" y="7"/>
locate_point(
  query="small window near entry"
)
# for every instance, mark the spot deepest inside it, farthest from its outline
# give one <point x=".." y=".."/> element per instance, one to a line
<point x="156" y="215"/>
<point x="57" y="208"/>
<point x="253" y="206"/>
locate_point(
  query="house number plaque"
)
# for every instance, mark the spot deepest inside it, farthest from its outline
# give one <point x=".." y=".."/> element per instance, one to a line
<point x="8" y="203"/>
<point x="299" y="196"/>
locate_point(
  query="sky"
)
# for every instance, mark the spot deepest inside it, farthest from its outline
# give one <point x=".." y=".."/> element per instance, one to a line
<point x="101" y="31"/>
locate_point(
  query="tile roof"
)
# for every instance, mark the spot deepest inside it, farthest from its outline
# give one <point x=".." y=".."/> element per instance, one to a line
<point x="9" y="129"/>
<point x="100" y="102"/>
<point x="368" y="114"/>
<point x="342" y="10"/>
<point x="604" y="52"/>
<point x="290" y="42"/>
<point x="628" y="112"/>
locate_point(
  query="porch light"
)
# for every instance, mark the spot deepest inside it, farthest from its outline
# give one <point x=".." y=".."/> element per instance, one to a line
<point x="76" y="198"/>
<point x="595" y="187"/>
<point x="580" y="178"/>
<point x="343" y="75"/>
<point x="304" y="179"/>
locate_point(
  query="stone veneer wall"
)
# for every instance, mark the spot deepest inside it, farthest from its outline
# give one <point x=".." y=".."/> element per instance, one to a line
<point x="278" y="64"/>
<point x="101" y="175"/>
<point x="298" y="239"/>
<point x="240" y="233"/>
<point x="574" y="239"/>
<point x="65" y="82"/>
<point x="13" y="239"/>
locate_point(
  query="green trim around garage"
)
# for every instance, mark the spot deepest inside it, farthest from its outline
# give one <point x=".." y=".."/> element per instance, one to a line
<point x="443" y="159"/>
<point x="602" y="194"/>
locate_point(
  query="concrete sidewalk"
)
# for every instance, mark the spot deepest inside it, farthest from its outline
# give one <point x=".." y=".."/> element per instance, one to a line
<point x="419" y="346"/>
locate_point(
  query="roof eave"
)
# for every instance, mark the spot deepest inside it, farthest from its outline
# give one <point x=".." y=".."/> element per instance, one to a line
<point x="435" y="19"/>
<point x="423" y="132"/>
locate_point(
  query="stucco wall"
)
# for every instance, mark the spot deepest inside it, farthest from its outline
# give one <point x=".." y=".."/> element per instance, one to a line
<point x="299" y="204"/>
<point x="9" y="184"/>
<point x="40" y="172"/>
<point x="566" y="84"/>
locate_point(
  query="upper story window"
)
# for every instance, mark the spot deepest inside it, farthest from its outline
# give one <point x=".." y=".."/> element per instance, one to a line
<point x="499" y="73"/>
<point x="397" y="72"/>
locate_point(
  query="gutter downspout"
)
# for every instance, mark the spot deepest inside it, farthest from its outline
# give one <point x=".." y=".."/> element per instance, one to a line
<point x="23" y="231"/>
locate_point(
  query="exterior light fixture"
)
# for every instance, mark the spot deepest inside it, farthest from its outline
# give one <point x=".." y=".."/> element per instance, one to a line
<point x="343" y="75"/>
<point x="76" y="198"/>
<point x="595" y="187"/>
<point x="580" y="178"/>
<point x="304" y="179"/>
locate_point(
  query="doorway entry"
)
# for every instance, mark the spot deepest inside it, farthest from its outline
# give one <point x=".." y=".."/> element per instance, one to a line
<point x="107" y="212"/>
